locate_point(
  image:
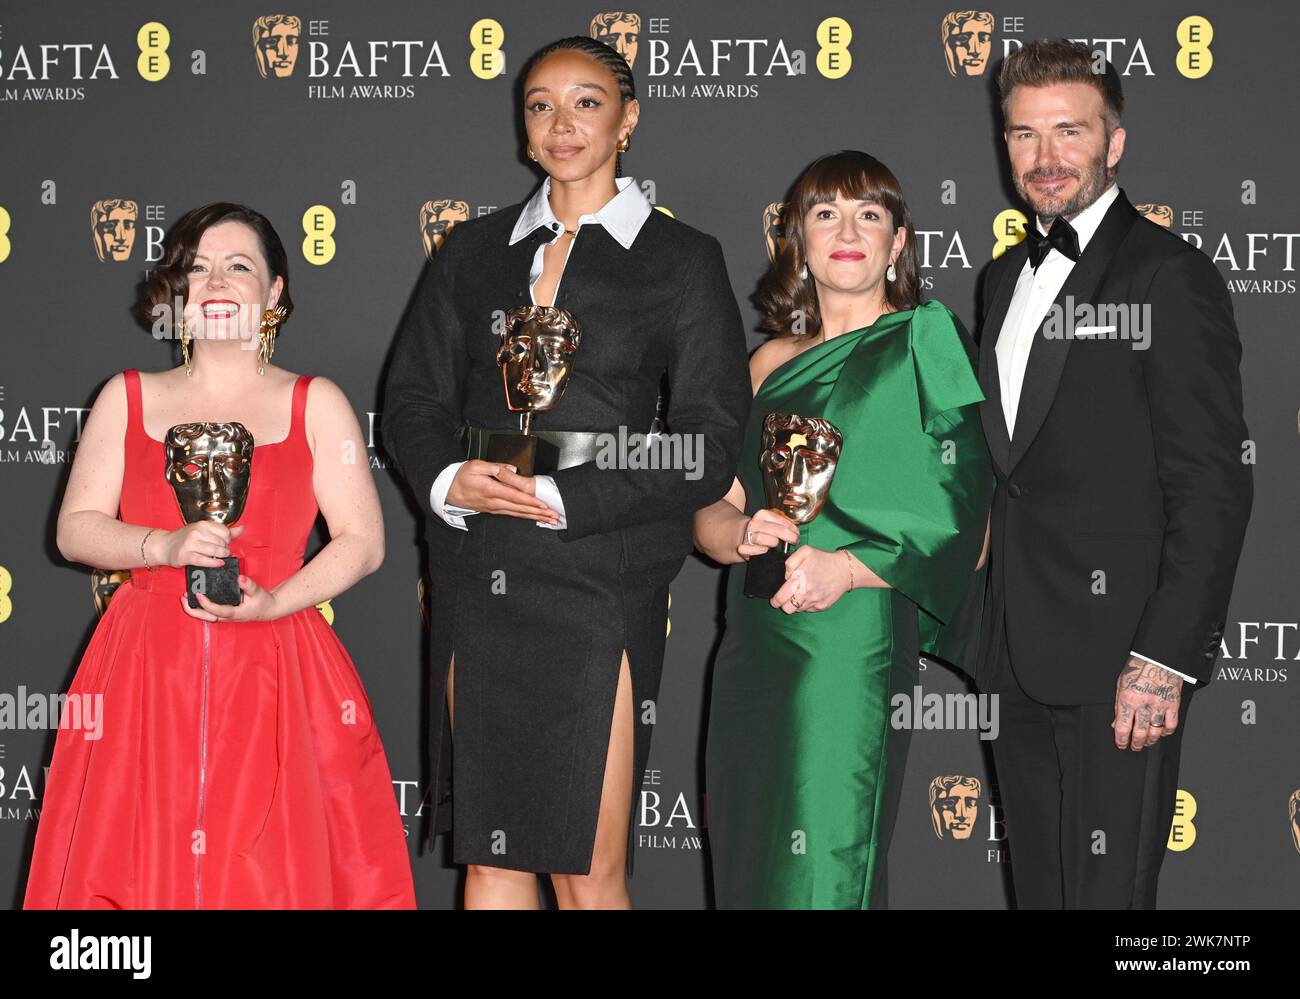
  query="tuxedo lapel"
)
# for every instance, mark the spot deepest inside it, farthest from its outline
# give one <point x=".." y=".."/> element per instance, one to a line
<point x="994" y="420"/>
<point x="1047" y="358"/>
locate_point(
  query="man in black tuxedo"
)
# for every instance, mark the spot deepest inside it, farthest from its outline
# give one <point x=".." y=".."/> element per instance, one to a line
<point x="1109" y="362"/>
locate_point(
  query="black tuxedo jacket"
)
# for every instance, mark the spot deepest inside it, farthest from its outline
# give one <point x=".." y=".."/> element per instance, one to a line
<point x="663" y="305"/>
<point x="1122" y="501"/>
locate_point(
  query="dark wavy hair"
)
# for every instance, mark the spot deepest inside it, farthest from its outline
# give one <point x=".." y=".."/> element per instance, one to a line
<point x="170" y="279"/>
<point x="856" y="176"/>
<point x="603" y="54"/>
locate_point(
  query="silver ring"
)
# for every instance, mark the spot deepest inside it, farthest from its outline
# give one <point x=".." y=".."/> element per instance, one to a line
<point x="749" y="537"/>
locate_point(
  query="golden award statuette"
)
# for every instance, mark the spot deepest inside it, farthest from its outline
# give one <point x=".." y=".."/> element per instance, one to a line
<point x="538" y="347"/>
<point x="209" y="466"/>
<point x="798" y="462"/>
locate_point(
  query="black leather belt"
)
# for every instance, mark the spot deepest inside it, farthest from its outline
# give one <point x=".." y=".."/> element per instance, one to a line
<point x="576" y="446"/>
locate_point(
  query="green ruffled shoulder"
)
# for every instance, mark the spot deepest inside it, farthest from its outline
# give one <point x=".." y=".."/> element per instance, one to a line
<point x="943" y="355"/>
<point x="911" y="490"/>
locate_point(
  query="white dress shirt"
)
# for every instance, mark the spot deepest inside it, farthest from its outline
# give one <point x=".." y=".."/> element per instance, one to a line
<point x="1034" y="294"/>
<point x="622" y="216"/>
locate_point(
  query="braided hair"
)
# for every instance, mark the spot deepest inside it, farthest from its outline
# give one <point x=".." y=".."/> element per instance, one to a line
<point x="608" y="57"/>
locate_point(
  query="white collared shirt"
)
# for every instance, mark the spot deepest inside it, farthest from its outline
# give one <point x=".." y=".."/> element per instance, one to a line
<point x="622" y="216"/>
<point x="1035" y="292"/>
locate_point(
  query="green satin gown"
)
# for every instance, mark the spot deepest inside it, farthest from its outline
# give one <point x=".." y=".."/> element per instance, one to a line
<point x="803" y="766"/>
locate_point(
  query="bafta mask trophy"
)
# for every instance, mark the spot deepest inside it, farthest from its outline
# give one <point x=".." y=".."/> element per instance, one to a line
<point x="209" y="466"/>
<point x="798" y="461"/>
<point x="538" y="345"/>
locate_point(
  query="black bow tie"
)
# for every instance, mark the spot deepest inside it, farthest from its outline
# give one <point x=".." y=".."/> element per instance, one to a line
<point x="1061" y="236"/>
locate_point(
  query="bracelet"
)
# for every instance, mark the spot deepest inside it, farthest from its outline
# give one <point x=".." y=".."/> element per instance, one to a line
<point x="849" y="559"/>
<point x="144" y="558"/>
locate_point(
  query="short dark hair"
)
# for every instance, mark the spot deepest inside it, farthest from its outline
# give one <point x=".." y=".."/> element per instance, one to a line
<point x="1058" y="60"/>
<point x="170" y="280"/>
<point x="856" y="176"/>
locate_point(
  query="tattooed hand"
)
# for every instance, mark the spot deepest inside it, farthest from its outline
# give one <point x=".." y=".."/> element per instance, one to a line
<point x="1146" y="704"/>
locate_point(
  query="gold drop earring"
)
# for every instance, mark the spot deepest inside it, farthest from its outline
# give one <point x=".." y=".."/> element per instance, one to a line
<point x="271" y="318"/>
<point x="185" y="346"/>
<point x="625" y="143"/>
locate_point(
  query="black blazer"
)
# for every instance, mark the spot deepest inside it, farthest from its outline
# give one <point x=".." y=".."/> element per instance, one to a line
<point x="664" y="305"/>
<point x="1125" y="462"/>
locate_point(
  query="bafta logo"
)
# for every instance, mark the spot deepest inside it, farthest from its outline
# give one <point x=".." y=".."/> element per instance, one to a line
<point x="774" y="229"/>
<point x="967" y="41"/>
<point x="104" y="583"/>
<point x="112" y="224"/>
<point x="209" y="467"/>
<point x="620" y="30"/>
<point x="539" y="344"/>
<point x="275" y="43"/>
<point x="436" y="220"/>
<point x="798" y="461"/>
<point x="1159" y="214"/>
<point x="954" y="806"/>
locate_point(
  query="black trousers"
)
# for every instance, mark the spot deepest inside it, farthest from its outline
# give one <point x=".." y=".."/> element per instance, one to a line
<point x="1087" y="823"/>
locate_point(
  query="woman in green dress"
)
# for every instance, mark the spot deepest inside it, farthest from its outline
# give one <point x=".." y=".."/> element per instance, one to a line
<point x="803" y="764"/>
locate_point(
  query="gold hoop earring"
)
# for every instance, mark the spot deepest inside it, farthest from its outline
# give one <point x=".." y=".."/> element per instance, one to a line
<point x="531" y="155"/>
<point x="625" y="143"/>
<point x="271" y="318"/>
<point x="186" y="336"/>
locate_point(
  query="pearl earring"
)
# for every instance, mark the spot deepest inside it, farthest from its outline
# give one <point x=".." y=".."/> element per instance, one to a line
<point x="803" y="272"/>
<point x="891" y="274"/>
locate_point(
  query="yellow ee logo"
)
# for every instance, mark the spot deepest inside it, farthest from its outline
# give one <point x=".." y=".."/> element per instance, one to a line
<point x="1194" y="35"/>
<point x="669" y="630"/>
<point x="152" y="40"/>
<point x="833" y="56"/>
<point x="487" y="60"/>
<point x="318" y="223"/>
<point x="6" y="605"/>
<point x="4" y="234"/>
<point x="1008" y="230"/>
<point x="1182" y="834"/>
<point x="327" y="611"/>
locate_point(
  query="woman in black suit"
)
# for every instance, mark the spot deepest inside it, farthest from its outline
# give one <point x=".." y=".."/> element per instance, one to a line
<point x="550" y="592"/>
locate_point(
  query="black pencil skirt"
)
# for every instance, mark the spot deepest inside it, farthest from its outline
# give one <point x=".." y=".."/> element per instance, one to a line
<point x="537" y="626"/>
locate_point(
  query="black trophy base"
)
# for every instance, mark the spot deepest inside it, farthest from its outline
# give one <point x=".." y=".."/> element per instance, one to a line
<point x="530" y="455"/>
<point x="765" y="574"/>
<point x="220" y="584"/>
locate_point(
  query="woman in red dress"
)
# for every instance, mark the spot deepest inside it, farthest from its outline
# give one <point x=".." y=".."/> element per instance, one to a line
<point x="238" y="764"/>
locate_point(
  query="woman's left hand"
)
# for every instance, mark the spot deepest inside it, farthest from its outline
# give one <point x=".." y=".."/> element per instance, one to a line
<point x="258" y="604"/>
<point x="814" y="580"/>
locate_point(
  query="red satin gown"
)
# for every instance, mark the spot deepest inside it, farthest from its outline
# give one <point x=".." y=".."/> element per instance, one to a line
<point x="238" y="764"/>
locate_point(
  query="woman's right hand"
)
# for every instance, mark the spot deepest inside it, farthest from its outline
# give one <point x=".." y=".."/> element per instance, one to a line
<point x="495" y="487"/>
<point x="203" y="542"/>
<point x="765" y="530"/>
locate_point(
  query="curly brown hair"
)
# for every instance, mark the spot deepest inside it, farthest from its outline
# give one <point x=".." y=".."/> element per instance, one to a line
<point x="782" y="294"/>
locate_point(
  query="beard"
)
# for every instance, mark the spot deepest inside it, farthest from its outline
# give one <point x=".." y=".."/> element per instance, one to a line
<point x="1093" y="181"/>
